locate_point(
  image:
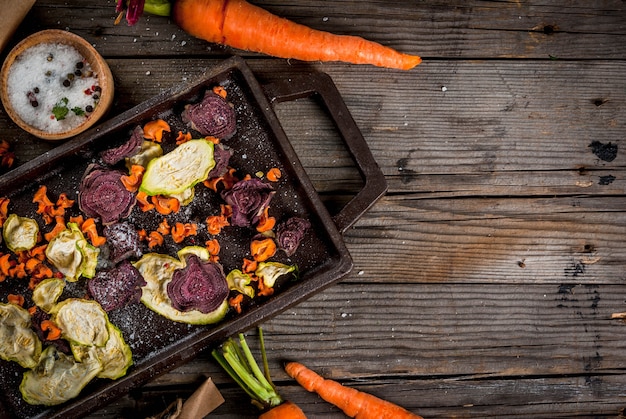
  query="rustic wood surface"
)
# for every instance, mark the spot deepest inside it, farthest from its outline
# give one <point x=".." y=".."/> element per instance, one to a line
<point x="485" y="280"/>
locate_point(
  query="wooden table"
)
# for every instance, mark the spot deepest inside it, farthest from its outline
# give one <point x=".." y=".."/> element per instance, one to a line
<point x="485" y="280"/>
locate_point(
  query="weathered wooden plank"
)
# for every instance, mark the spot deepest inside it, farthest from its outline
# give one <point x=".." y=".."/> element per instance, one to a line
<point x="433" y="29"/>
<point x="500" y="128"/>
<point x="592" y="396"/>
<point x="481" y="349"/>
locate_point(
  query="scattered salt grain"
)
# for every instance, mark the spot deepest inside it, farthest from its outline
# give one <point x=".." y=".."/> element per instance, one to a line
<point x="52" y="75"/>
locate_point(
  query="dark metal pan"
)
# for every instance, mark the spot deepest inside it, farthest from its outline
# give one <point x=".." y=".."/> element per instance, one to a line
<point x="158" y="344"/>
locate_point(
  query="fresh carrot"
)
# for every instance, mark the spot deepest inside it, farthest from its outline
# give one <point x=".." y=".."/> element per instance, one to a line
<point x="262" y="249"/>
<point x="238" y="362"/>
<point x="241" y="25"/>
<point x="354" y="403"/>
<point x="153" y="130"/>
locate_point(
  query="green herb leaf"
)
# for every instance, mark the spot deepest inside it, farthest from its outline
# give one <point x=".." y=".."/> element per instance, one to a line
<point x="60" y="110"/>
<point x="78" y="111"/>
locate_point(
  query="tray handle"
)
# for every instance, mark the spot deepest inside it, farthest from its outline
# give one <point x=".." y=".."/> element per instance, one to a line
<point x="306" y="85"/>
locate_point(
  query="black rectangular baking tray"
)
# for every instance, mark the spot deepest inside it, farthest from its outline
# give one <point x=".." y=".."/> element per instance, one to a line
<point x="158" y="344"/>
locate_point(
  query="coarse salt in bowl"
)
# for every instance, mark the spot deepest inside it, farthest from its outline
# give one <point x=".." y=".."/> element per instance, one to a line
<point x="55" y="85"/>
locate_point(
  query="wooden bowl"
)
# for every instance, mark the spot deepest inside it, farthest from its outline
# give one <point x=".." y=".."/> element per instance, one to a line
<point x="92" y="60"/>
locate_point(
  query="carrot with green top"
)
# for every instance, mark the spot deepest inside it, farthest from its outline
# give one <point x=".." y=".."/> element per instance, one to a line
<point x="238" y="362"/>
<point x="354" y="403"/>
<point x="241" y="25"/>
<point x="244" y="26"/>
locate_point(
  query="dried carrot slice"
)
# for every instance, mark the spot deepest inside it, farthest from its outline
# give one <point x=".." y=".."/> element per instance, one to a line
<point x="183" y="138"/>
<point x="153" y="130"/>
<point x="59" y="227"/>
<point x="78" y="220"/>
<point x="165" y="205"/>
<point x="143" y="235"/>
<point x="264" y="291"/>
<point x="38" y="252"/>
<point x="266" y="223"/>
<point x="213" y="246"/>
<point x="164" y="227"/>
<point x="4" y="209"/>
<point x="45" y="206"/>
<point x="16" y="299"/>
<point x="154" y="239"/>
<point x="64" y="202"/>
<point x="53" y="330"/>
<point x="180" y="231"/>
<point x="235" y="302"/>
<point x="90" y="229"/>
<point x="249" y="265"/>
<point x="215" y="223"/>
<point x="273" y="174"/>
<point x="220" y="91"/>
<point x="18" y="271"/>
<point x="212" y="139"/>
<point x="31" y="265"/>
<point x="6" y="264"/>
<point x="132" y="181"/>
<point x="144" y="204"/>
<point x="262" y="249"/>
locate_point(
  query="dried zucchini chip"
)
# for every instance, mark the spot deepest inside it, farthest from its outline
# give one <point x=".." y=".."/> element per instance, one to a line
<point x="115" y="356"/>
<point x="178" y="170"/>
<point x="83" y="322"/>
<point x="58" y="377"/>
<point x="47" y="293"/>
<point x="20" y="233"/>
<point x="18" y="342"/>
<point x="158" y="270"/>
<point x="72" y="254"/>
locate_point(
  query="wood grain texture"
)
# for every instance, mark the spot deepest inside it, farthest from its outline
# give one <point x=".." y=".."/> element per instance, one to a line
<point x="484" y="281"/>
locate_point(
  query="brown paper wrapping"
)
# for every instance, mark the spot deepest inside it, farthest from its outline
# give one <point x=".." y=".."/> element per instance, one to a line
<point x="13" y="12"/>
<point x="202" y="402"/>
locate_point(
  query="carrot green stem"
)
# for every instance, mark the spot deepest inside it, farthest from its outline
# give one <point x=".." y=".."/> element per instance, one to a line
<point x="266" y="367"/>
<point x="239" y="363"/>
<point x="158" y="7"/>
